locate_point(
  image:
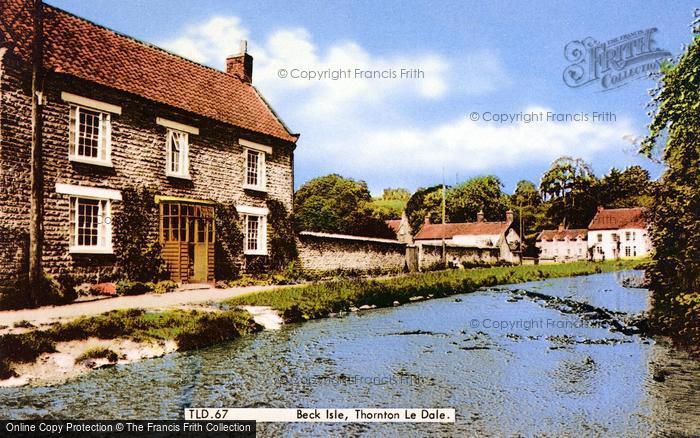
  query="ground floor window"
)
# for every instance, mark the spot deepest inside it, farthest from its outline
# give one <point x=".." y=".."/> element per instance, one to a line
<point x="628" y="251"/>
<point x="90" y="225"/>
<point x="255" y="235"/>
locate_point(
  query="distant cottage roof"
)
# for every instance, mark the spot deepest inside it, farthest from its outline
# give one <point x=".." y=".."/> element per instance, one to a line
<point x="436" y="231"/>
<point x="616" y="218"/>
<point x="561" y="235"/>
<point x="89" y="51"/>
<point x="394" y="224"/>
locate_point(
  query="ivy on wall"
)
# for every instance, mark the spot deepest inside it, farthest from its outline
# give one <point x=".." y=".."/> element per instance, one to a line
<point x="135" y="226"/>
<point x="229" y="242"/>
<point x="282" y="237"/>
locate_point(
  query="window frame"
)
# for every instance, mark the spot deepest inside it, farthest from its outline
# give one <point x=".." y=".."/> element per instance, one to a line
<point x="261" y="234"/>
<point x="184" y="154"/>
<point x="104" y="226"/>
<point x="104" y="140"/>
<point x="261" y="186"/>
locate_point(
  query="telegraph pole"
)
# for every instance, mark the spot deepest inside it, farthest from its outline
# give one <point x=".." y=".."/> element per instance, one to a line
<point x="36" y="205"/>
<point x="444" y="252"/>
<point x="522" y="232"/>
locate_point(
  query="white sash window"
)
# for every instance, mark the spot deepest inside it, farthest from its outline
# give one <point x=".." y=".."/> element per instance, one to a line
<point x="177" y="154"/>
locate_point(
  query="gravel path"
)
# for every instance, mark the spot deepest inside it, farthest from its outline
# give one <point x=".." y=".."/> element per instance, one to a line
<point x="50" y="314"/>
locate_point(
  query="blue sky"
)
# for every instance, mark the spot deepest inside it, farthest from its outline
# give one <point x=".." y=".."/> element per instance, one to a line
<point x="499" y="57"/>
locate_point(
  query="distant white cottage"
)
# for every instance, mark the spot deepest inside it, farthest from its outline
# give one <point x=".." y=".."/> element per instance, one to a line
<point x="618" y="233"/>
<point x="562" y="245"/>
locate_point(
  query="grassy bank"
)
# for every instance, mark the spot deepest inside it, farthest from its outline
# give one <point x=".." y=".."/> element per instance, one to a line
<point x="318" y="300"/>
<point x="190" y="329"/>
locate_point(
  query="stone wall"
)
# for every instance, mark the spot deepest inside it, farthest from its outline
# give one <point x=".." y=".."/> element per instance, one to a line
<point x="329" y="252"/>
<point x="429" y="255"/>
<point x="138" y="157"/>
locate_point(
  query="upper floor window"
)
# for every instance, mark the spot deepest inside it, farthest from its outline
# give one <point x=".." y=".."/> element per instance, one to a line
<point x="599" y="237"/>
<point x="90" y="135"/>
<point x="255" y="169"/>
<point x="254" y="175"/>
<point x="90" y="129"/>
<point x="177" y="154"/>
<point x="177" y="147"/>
<point x="628" y="235"/>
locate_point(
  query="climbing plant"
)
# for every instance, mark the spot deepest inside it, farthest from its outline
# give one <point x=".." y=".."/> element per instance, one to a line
<point x="136" y="244"/>
<point x="281" y="237"/>
<point x="229" y="242"/>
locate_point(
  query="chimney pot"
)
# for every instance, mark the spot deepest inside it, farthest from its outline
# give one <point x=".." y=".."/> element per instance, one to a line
<point x="241" y="65"/>
<point x="480" y="216"/>
<point x="509" y="216"/>
<point x="427" y="220"/>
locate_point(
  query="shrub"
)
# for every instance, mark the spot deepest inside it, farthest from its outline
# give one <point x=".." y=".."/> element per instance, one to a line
<point x="164" y="287"/>
<point x="97" y="353"/>
<point x="137" y="250"/>
<point x="126" y="287"/>
<point x="229" y="242"/>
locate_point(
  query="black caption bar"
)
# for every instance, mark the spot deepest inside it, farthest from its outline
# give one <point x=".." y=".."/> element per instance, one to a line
<point x="126" y="428"/>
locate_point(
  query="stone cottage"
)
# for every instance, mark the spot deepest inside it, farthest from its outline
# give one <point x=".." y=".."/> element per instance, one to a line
<point x="479" y="235"/>
<point x="117" y="113"/>
<point x="562" y="245"/>
<point x="618" y="233"/>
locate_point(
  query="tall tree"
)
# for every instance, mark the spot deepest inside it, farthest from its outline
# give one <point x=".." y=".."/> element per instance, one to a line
<point x="335" y="204"/>
<point x="425" y="202"/>
<point x="485" y="193"/>
<point x="630" y="187"/>
<point x="675" y="208"/>
<point x="567" y="186"/>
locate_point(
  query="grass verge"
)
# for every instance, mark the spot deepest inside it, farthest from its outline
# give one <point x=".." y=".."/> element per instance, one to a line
<point x="318" y="300"/>
<point x="190" y="329"/>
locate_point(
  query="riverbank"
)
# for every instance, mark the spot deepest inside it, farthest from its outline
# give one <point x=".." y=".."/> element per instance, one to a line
<point x="119" y="336"/>
<point x="319" y="300"/>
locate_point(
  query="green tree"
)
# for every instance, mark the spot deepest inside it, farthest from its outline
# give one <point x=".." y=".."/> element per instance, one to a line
<point x="485" y="193"/>
<point x="335" y="204"/>
<point x="567" y="185"/>
<point x="425" y="202"/>
<point x="526" y="194"/>
<point x="675" y="208"/>
<point x="630" y="187"/>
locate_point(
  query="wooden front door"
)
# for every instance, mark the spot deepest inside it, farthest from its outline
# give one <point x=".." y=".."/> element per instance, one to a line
<point x="187" y="237"/>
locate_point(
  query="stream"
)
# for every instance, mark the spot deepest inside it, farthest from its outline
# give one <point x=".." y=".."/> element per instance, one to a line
<point x="554" y="357"/>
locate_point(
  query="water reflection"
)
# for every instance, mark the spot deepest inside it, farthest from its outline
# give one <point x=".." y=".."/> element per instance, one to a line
<point x="503" y="379"/>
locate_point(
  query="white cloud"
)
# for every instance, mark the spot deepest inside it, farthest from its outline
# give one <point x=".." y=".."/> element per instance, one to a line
<point x="369" y="129"/>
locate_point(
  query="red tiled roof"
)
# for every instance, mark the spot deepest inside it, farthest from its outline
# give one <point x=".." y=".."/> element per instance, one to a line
<point x="572" y="234"/>
<point x="435" y="231"/>
<point x="616" y="218"/>
<point x="86" y="50"/>
<point x="394" y="224"/>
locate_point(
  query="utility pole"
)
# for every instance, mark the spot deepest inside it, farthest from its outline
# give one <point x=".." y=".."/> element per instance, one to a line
<point x="444" y="249"/>
<point x="36" y="203"/>
<point x="522" y="232"/>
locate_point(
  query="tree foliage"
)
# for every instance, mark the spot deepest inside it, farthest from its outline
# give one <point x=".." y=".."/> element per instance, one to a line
<point x="425" y="202"/>
<point x="675" y="205"/>
<point x="335" y="204"/>
<point x="482" y="193"/>
<point x="568" y="186"/>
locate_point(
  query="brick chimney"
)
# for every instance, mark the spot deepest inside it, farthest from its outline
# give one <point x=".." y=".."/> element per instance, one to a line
<point x="241" y="65"/>
<point x="561" y="226"/>
<point x="480" y="216"/>
<point x="509" y="216"/>
<point x="426" y="221"/>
